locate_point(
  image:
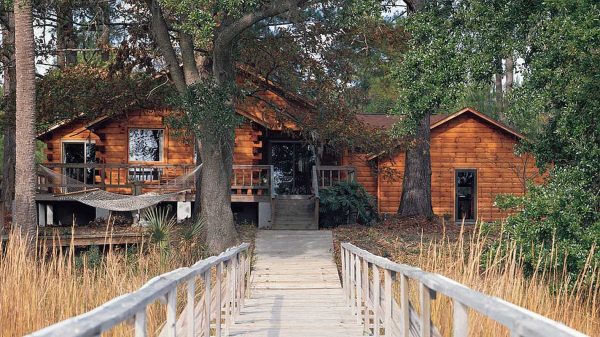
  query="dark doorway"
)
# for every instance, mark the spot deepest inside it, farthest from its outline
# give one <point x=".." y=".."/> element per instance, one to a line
<point x="292" y="165"/>
<point x="466" y="195"/>
<point x="79" y="153"/>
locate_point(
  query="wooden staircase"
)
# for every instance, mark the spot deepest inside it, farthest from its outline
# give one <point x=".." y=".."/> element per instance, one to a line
<point x="295" y="212"/>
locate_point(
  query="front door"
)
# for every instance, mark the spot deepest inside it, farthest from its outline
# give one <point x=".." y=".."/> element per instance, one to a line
<point x="79" y="153"/>
<point x="466" y="195"/>
<point x="292" y="167"/>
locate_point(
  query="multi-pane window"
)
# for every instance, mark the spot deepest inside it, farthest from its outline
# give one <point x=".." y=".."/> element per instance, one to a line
<point x="146" y="145"/>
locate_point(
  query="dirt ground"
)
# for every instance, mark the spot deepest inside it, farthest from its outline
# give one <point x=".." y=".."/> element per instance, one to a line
<point x="399" y="239"/>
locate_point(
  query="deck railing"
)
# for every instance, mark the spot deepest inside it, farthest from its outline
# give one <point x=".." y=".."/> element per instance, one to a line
<point x="125" y="178"/>
<point x="330" y="175"/>
<point x="122" y="177"/>
<point x="375" y="305"/>
<point x="219" y="302"/>
<point x="252" y="179"/>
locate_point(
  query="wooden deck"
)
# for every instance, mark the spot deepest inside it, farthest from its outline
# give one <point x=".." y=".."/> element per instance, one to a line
<point x="295" y="289"/>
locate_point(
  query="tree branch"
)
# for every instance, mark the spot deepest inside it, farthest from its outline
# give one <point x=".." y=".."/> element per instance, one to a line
<point x="160" y="31"/>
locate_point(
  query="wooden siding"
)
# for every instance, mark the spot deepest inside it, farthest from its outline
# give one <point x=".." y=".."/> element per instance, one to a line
<point x="364" y="173"/>
<point x="465" y="142"/>
<point x="111" y="140"/>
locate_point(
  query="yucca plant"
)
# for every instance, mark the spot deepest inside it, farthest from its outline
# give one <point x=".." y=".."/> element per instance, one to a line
<point x="160" y="226"/>
<point x="193" y="232"/>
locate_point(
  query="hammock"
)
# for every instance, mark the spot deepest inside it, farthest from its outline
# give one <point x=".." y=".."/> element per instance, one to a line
<point x="92" y="196"/>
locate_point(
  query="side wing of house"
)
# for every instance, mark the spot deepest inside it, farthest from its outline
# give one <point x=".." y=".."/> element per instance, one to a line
<point x="473" y="160"/>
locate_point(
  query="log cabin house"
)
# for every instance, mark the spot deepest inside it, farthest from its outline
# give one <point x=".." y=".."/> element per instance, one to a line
<point x="276" y="178"/>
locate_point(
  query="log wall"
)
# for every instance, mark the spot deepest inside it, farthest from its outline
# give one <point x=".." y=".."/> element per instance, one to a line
<point x="465" y="142"/>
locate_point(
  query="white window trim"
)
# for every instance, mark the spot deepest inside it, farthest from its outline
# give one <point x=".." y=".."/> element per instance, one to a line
<point x="161" y="150"/>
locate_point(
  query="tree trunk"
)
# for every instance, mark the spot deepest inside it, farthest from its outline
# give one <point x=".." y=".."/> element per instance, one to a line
<point x="8" y="168"/>
<point x="217" y="165"/>
<point x="104" y="39"/>
<point x="25" y="175"/>
<point x="509" y="73"/>
<point x="216" y="194"/>
<point x="198" y="195"/>
<point x="65" y="36"/>
<point x="498" y="89"/>
<point x="416" y="186"/>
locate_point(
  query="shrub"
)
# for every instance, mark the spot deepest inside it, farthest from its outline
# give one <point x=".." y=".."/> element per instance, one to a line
<point x="346" y="203"/>
<point x="559" y="220"/>
<point x="160" y="226"/>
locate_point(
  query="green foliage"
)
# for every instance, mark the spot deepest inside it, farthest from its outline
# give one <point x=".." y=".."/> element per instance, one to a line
<point x="559" y="218"/>
<point x="89" y="92"/>
<point x="432" y="73"/>
<point x="559" y="105"/>
<point x="346" y="203"/>
<point x="91" y="258"/>
<point x="160" y="225"/>
<point x="206" y="110"/>
<point x="193" y="232"/>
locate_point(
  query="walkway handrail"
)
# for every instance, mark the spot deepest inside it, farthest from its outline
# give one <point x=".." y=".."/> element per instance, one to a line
<point x="232" y="267"/>
<point x="378" y="303"/>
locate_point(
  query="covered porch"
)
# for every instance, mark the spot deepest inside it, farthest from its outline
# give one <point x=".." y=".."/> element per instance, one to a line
<point x="283" y="197"/>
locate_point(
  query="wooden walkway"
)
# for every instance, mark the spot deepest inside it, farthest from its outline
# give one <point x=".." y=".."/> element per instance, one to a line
<point x="295" y="289"/>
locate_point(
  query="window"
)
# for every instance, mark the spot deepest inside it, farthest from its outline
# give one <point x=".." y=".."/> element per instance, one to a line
<point x="466" y="195"/>
<point x="146" y="144"/>
<point x="79" y="153"/>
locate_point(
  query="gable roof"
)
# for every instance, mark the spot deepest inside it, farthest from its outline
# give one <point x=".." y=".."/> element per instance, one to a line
<point x="386" y="122"/>
<point x="243" y="71"/>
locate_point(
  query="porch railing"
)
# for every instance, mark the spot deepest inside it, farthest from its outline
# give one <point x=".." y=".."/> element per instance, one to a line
<point x="252" y="180"/>
<point x="117" y="177"/>
<point x="126" y="178"/>
<point x="330" y="175"/>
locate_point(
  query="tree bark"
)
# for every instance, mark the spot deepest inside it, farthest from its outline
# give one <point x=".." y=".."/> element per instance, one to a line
<point x="416" y="185"/>
<point x="104" y="39"/>
<point x="509" y="73"/>
<point x="160" y="32"/>
<point x="65" y="36"/>
<point x="25" y="177"/>
<point x="190" y="70"/>
<point x="198" y="184"/>
<point x="8" y="168"/>
<point x="498" y="88"/>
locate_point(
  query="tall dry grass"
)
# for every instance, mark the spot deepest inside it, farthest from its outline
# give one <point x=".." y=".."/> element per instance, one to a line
<point x="37" y="290"/>
<point x="550" y="291"/>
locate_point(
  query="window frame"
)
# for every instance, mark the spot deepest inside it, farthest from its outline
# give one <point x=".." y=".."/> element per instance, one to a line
<point x="162" y="146"/>
<point x="475" y="198"/>
<point x="85" y="143"/>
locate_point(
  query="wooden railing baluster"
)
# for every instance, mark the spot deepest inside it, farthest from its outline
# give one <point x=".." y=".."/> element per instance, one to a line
<point x="376" y="300"/>
<point x="207" y="303"/>
<point x="140" y="324"/>
<point x="218" y="287"/>
<point x="388" y="300"/>
<point x="404" y="306"/>
<point x="353" y="301"/>
<point x="172" y="313"/>
<point x="191" y="317"/>
<point x="461" y="319"/>
<point x="358" y="288"/>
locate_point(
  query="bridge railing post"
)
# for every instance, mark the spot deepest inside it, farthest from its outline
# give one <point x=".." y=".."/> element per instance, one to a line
<point x="365" y="293"/>
<point x="460" y="319"/>
<point x="376" y="300"/>
<point x="358" y="288"/>
<point x="191" y="317"/>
